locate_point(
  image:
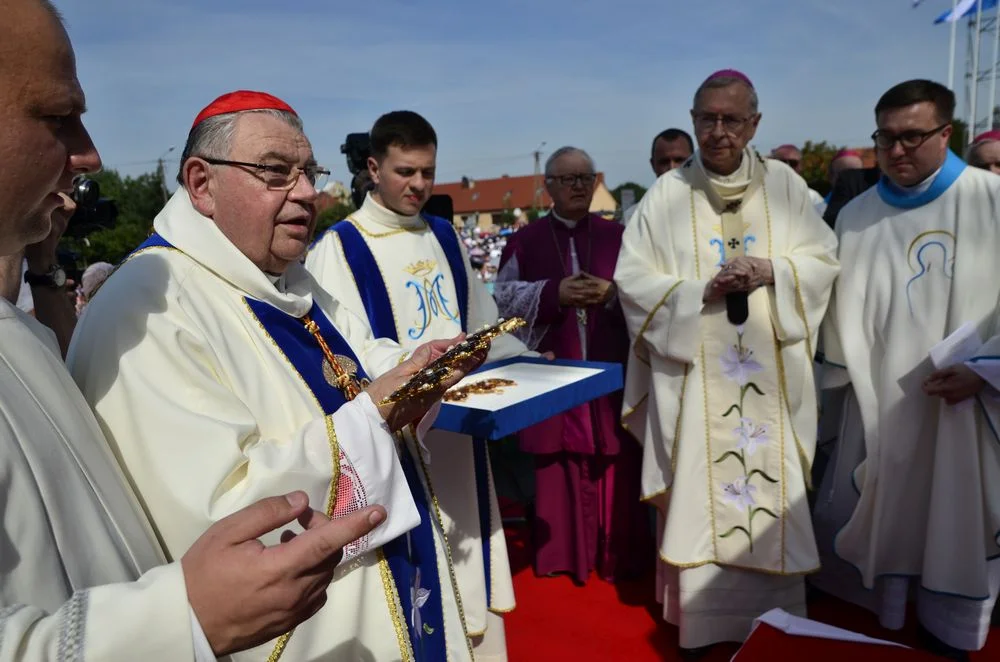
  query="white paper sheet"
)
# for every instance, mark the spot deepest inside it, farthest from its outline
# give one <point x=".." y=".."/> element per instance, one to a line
<point x="803" y="627"/>
<point x="959" y="347"/>
<point x="533" y="379"/>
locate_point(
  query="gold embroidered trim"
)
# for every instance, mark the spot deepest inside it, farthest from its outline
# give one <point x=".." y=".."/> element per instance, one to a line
<point x="128" y="258"/>
<point x="489" y="535"/>
<point x="649" y="318"/>
<point x="800" y="305"/>
<point x="632" y="410"/>
<point x="708" y="453"/>
<point x="783" y="387"/>
<point x="677" y="425"/>
<point x="390" y="233"/>
<point x="395" y="608"/>
<point x="447" y="550"/>
<point x="331" y="434"/>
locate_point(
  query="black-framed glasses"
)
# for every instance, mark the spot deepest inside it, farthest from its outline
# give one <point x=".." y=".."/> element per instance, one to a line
<point x="706" y="122"/>
<point x="278" y="176"/>
<point x="908" y="139"/>
<point x="586" y="179"/>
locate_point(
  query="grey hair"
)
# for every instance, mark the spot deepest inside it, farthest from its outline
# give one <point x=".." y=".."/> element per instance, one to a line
<point x="213" y="137"/>
<point x="725" y="81"/>
<point x="563" y="151"/>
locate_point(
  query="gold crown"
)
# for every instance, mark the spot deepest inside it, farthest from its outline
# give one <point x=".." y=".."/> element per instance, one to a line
<point x="421" y="268"/>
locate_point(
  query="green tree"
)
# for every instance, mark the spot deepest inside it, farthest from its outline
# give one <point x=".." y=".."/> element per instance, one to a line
<point x="635" y="188"/>
<point x="333" y="215"/>
<point x="816" y="159"/>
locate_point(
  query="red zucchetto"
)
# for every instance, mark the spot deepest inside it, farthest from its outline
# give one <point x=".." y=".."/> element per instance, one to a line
<point x="235" y="102"/>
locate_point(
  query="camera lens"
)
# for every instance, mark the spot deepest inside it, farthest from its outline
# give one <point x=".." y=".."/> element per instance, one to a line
<point x="86" y="193"/>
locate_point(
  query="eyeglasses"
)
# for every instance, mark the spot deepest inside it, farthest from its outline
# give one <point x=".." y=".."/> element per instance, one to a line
<point x="705" y="122"/>
<point x="279" y="176"/>
<point x="570" y="180"/>
<point x="908" y="139"/>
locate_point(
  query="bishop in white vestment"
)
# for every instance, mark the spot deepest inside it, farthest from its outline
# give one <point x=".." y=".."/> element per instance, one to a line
<point x="726" y="413"/>
<point x="409" y="276"/>
<point x="910" y="505"/>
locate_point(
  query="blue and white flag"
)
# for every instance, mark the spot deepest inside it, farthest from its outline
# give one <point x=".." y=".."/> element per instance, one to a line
<point x="964" y="8"/>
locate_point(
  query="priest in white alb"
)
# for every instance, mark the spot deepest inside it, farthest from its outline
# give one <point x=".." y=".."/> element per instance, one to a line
<point x="221" y="373"/>
<point x="910" y="504"/>
<point x="724" y="277"/>
<point x="407" y="273"/>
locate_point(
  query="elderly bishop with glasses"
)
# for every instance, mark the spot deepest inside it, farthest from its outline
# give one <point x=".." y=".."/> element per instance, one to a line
<point x="912" y="496"/>
<point x="557" y="274"/>
<point x="222" y="373"/>
<point x="724" y="277"/>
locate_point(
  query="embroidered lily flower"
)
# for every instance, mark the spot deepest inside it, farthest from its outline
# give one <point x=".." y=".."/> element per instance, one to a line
<point x="739" y="492"/>
<point x="738" y="364"/>
<point x="418" y="598"/>
<point x="750" y="436"/>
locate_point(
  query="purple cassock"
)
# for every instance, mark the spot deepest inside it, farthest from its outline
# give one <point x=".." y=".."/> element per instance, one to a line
<point x="587" y="510"/>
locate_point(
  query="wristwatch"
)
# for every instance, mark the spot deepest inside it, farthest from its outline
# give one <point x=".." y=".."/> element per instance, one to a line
<point x="55" y="278"/>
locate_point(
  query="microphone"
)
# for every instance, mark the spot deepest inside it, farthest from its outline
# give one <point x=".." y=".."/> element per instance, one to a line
<point x="737" y="307"/>
<point x="737" y="304"/>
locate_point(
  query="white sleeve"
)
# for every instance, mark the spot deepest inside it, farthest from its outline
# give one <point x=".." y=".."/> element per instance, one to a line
<point x="148" y="620"/>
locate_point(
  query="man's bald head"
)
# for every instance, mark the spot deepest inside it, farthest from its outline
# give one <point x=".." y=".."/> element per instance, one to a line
<point x="43" y="144"/>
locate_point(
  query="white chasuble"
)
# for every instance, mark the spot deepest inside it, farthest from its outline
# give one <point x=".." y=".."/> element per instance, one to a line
<point x="914" y="490"/>
<point x="417" y="297"/>
<point x="73" y="539"/>
<point x="729" y="423"/>
<point x="212" y="392"/>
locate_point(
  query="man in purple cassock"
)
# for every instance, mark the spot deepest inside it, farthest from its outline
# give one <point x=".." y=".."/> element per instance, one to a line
<point x="557" y="273"/>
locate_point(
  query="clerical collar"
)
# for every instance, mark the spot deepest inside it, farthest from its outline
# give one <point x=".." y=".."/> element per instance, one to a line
<point x="379" y="215"/>
<point x="565" y="221"/>
<point x="916" y="189"/>
<point x="278" y="280"/>
<point x="926" y="191"/>
<point x="735" y="184"/>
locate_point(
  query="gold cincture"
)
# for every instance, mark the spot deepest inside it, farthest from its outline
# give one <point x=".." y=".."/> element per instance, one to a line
<point x="430" y="378"/>
<point x="483" y="386"/>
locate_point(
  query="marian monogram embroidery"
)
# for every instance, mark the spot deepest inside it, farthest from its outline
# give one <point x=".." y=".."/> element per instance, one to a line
<point x="431" y="300"/>
<point x="739" y="365"/>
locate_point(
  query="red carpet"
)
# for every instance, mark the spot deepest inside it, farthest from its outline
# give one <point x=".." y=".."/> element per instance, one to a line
<point x="556" y="620"/>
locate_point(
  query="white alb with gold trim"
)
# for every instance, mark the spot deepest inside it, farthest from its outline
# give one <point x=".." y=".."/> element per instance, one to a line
<point x="726" y="414"/>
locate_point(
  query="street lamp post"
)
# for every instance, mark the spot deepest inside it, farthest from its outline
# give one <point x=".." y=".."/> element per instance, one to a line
<point x="162" y="174"/>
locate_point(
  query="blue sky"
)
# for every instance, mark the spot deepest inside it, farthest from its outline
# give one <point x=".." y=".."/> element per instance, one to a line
<point x="496" y="78"/>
